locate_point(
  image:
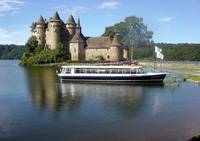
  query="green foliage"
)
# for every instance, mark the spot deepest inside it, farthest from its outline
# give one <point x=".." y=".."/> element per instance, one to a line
<point x="180" y="52"/>
<point x="133" y="33"/>
<point x="11" y="51"/>
<point x="37" y="54"/>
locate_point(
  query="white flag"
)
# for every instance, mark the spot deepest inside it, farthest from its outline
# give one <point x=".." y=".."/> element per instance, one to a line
<point x="157" y="49"/>
<point x="158" y="53"/>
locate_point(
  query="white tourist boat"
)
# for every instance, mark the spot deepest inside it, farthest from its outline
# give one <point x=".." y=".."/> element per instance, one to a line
<point x="123" y="73"/>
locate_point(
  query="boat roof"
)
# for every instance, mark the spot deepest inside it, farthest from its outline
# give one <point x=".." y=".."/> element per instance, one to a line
<point x="85" y="66"/>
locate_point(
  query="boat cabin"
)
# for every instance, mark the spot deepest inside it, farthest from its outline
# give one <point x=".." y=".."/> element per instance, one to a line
<point x="101" y="70"/>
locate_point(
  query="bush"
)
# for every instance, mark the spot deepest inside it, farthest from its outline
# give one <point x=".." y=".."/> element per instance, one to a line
<point x="37" y="54"/>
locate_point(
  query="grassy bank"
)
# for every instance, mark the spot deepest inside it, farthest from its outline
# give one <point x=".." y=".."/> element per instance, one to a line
<point x="193" y="78"/>
<point x="183" y="69"/>
<point x="190" y="77"/>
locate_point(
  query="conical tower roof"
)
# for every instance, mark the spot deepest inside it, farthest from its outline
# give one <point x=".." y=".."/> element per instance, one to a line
<point x="40" y="20"/>
<point x="71" y="20"/>
<point x="78" y="23"/>
<point x="78" y="37"/>
<point x="56" y="17"/>
<point x="78" y="26"/>
<point x="115" y="41"/>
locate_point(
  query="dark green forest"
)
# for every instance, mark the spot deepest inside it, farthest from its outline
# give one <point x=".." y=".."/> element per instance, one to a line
<point x="11" y="51"/>
<point x="180" y="52"/>
<point x="172" y="52"/>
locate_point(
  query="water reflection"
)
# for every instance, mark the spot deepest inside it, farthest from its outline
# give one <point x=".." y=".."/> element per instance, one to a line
<point x="43" y="88"/>
<point x="126" y="101"/>
<point x="32" y="99"/>
<point x="71" y="97"/>
<point x="48" y="93"/>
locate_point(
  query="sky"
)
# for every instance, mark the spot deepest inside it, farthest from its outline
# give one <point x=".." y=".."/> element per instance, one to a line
<point x="172" y="21"/>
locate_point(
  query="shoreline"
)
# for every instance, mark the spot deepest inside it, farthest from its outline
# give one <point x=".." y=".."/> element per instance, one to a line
<point x="190" y="71"/>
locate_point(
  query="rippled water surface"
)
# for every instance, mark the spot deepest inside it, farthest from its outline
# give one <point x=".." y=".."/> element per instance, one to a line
<point x="34" y="105"/>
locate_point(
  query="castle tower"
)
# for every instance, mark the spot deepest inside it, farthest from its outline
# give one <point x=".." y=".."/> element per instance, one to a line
<point x="78" y="26"/>
<point x="53" y="33"/>
<point x="114" y="49"/>
<point x="77" y="46"/>
<point x="71" y="26"/>
<point x="39" y="29"/>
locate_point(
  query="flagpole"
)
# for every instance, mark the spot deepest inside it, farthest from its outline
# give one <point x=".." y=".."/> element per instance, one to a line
<point x="154" y="62"/>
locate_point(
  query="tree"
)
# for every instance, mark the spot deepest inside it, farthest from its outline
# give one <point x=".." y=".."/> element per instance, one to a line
<point x="132" y="32"/>
<point x="11" y="51"/>
<point x="37" y="54"/>
<point x="31" y="45"/>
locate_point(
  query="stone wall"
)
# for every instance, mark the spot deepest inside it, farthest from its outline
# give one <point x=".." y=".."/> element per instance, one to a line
<point x="92" y="53"/>
<point x="114" y="54"/>
<point x="39" y="33"/>
<point x="53" y="35"/>
<point x="74" y="52"/>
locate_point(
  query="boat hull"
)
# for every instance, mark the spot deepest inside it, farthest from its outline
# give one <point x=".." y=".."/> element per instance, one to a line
<point x="148" y="78"/>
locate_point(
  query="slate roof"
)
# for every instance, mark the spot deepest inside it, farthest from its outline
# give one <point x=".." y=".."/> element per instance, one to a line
<point x="40" y="20"/>
<point x="115" y="41"/>
<point x="71" y="20"/>
<point x="78" y="23"/>
<point x="98" y="42"/>
<point x="55" y="17"/>
<point x="78" y="37"/>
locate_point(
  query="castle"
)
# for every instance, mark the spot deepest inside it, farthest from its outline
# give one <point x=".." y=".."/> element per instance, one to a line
<point x="79" y="48"/>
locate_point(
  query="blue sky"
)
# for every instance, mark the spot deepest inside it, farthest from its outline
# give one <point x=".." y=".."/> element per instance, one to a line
<point x="172" y="21"/>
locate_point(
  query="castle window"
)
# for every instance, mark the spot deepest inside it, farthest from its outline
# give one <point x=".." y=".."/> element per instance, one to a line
<point x="108" y="57"/>
<point x="74" y="50"/>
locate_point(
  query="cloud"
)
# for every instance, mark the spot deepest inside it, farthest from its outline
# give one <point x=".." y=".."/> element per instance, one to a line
<point x="16" y="37"/>
<point x="166" y="19"/>
<point x="10" y="7"/>
<point x="65" y="10"/>
<point x="109" y="5"/>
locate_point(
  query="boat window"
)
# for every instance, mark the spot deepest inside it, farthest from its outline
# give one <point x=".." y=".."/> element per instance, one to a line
<point x="93" y="70"/>
<point x="107" y="71"/>
<point x="137" y="71"/>
<point x="79" y="70"/>
<point x="126" y="71"/>
<point x="133" y="71"/>
<point x="120" y="71"/>
<point x="66" y="70"/>
<point x="114" y="71"/>
<point x="101" y="71"/>
<point x="140" y="70"/>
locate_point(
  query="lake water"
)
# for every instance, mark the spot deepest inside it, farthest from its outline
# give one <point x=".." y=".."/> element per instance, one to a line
<point x="34" y="105"/>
